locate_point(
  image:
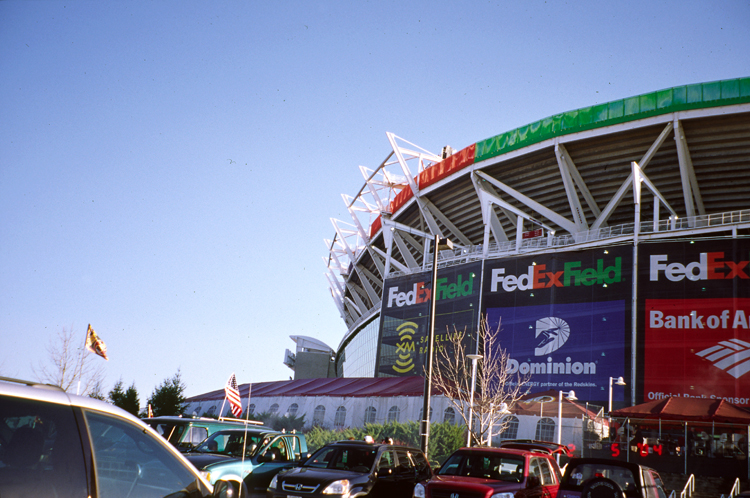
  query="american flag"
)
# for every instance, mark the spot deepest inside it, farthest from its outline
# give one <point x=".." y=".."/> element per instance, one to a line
<point x="233" y="395"/>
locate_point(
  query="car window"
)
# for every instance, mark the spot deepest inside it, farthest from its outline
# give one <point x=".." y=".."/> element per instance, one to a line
<point x="420" y="462"/>
<point x="547" y="474"/>
<point x="278" y="451"/>
<point x="171" y="432"/>
<point x="130" y="462"/>
<point x="534" y="469"/>
<point x="195" y="435"/>
<point x="387" y="463"/>
<point x="485" y="465"/>
<point x="405" y="466"/>
<point x="653" y="485"/>
<point x="230" y="443"/>
<point x="40" y="450"/>
<point x="294" y="447"/>
<point x="321" y="458"/>
<point x="621" y="475"/>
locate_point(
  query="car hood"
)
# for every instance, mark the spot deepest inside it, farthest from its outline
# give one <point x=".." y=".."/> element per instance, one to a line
<point x="203" y="460"/>
<point x="310" y="475"/>
<point x="477" y="484"/>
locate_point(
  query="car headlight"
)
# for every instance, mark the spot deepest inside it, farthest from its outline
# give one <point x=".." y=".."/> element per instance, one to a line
<point x="206" y="475"/>
<point x="418" y="491"/>
<point x="337" y="488"/>
<point x="273" y="482"/>
<point x="502" y="495"/>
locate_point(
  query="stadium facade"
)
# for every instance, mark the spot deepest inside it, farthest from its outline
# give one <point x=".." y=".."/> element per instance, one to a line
<point x="583" y="276"/>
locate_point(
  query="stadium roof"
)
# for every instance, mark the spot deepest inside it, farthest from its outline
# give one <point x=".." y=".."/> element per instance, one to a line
<point x="343" y="387"/>
<point x="569" y="175"/>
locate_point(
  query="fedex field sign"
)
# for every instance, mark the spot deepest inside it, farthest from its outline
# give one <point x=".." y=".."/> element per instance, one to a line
<point x="420" y="293"/>
<point x="572" y="274"/>
<point x="710" y="266"/>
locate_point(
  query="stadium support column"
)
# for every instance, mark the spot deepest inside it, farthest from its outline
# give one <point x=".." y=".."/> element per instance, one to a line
<point x="634" y="302"/>
<point x="425" y="422"/>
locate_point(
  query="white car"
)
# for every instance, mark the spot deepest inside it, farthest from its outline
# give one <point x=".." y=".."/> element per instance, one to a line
<point x="60" y="445"/>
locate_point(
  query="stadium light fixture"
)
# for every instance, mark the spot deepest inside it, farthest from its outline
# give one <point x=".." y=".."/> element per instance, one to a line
<point x="439" y="244"/>
<point x="474" y="359"/>
<point x="570" y="396"/>
<point x="617" y="382"/>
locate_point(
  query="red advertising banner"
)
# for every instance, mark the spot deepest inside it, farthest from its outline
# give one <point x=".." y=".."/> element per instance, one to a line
<point x="697" y="348"/>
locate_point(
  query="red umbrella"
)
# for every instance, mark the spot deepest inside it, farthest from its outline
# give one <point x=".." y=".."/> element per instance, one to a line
<point x="687" y="409"/>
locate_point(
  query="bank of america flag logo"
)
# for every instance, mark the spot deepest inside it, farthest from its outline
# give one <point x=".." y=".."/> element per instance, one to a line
<point x="732" y="356"/>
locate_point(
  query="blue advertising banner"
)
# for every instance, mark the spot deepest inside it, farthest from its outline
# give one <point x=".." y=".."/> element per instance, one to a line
<point x="565" y="346"/>
<point x="564" y="318"/>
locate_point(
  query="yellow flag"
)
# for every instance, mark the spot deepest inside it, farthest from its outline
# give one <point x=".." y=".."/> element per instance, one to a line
<point x="94" y="344"/>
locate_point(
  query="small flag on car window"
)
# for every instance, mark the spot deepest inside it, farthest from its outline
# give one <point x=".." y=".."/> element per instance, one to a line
<point x="233" y="395"/>
<point x="94" y="344"/>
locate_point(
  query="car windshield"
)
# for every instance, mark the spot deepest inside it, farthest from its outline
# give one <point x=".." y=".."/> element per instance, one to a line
<point x="621" y="475"/>
<point x="484" y="465"/>
<point x="343" y="458"/>
<point x="231" y="443"/>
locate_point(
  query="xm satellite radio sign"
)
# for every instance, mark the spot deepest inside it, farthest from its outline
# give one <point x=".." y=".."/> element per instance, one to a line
<point x="696" y="316"/>
<point x="404" y="319"/>
<point x="563" y="318"/>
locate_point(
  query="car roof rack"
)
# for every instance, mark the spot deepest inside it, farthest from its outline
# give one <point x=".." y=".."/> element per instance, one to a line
<point x="230" y="419"/>
<point x="32" y="383"/>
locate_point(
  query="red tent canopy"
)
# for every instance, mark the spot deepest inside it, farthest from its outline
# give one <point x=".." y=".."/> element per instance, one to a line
<point x="687" y="409"/>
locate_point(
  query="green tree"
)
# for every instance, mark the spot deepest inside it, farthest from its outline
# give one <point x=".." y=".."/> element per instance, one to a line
<point x="131" y="403"/>
<point x="169" y="397"/>
<point x="127" y="400"/>
<point x="97" y="392"/>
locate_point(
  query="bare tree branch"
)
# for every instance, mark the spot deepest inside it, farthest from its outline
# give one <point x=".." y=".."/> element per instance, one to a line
<point x="496" y="392"/>
<point x="68" y="362"/>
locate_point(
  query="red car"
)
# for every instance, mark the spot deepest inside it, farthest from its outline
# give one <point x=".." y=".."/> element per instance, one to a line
<point x="518" y="470"/>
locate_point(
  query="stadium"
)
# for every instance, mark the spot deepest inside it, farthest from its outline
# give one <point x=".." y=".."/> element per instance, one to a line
<point x="606" y="241"/>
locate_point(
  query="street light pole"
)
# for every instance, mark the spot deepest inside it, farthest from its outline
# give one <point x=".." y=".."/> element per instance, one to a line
<point x="570" y="396"/>
<point x="619" y="382"/>
<point x="474" y="358"/>
<point x="425" y="423"/>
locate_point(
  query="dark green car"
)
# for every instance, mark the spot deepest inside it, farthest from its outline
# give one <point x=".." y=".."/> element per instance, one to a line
<point x="185" y="433"/>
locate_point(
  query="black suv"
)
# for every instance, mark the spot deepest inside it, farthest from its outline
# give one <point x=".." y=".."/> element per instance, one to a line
<point x="605" y="478"/>
<point x="352" y="469"/>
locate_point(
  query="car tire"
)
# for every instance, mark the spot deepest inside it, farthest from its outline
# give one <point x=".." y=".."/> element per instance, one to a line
<point x="601" y="487"/>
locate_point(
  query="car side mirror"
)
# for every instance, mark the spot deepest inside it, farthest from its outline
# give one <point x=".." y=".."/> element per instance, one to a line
<point x="264" y="458"/>
<point x="533" y="482"/>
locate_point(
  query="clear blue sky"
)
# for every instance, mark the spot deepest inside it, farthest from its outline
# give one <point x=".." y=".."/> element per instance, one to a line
<point x="168" y="169"/>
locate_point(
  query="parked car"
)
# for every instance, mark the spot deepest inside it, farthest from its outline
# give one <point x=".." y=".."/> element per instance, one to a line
<point x="247" y="458"/>
<point x="56" y="444"/>
<point x="354" y="468"/>
<point x="526" y="469"/>
<point x="607" y="478"/>
<point x="185" y="433"/>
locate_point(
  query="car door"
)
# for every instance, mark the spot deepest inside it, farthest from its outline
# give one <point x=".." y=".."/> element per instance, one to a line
<point x="386" y="482"/>
<point x="534" y="488"/>
<point x="41" y="453"/>
<point x="275" y="457"/>
<point x="406" y="473"/>
<point x="130" y="462"/>
<point x="550" y="482"/>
